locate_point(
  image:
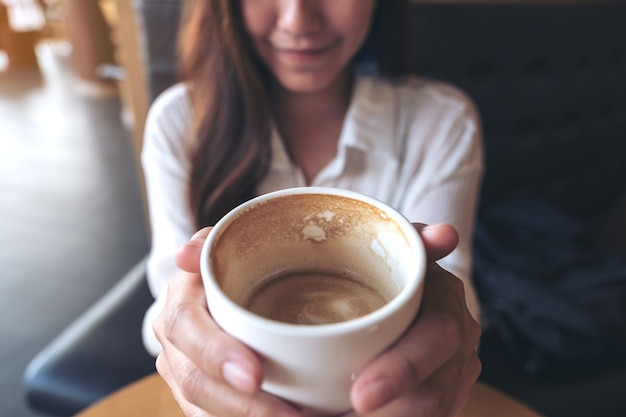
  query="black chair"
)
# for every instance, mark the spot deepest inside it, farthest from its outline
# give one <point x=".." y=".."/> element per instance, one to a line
<point x="97" y="354"/>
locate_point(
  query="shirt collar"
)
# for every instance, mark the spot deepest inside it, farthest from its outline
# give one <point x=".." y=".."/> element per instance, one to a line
<point x="369" y="126"/>
<point x="371" y="119"/>
<point x="280" y="158"/>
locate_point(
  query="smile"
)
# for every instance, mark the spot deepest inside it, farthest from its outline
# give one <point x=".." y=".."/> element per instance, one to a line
<point x="303" y="55"/>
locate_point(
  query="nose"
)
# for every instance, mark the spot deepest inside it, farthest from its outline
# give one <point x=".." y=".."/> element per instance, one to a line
<point x="299" y="17"/>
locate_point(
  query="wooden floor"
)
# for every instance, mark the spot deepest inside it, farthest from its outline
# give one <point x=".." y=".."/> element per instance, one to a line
<point x="71" y="217"/>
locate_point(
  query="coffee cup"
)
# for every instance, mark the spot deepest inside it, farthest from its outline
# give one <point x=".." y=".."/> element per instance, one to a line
<point x="317" y="281"/>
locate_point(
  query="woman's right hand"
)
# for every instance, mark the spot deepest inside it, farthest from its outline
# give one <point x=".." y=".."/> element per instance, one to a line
<point x="209" y="372"/>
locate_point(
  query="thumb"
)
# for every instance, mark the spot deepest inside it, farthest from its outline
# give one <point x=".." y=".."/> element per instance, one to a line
<point x="439" y="239"/>
<point x="188" y="255"/>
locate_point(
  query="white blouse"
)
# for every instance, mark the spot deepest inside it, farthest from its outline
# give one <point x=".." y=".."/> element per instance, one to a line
<point x="413" y="143"/>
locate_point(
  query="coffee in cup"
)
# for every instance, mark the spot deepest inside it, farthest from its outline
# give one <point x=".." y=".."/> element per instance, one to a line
<point x="311" y="297"/>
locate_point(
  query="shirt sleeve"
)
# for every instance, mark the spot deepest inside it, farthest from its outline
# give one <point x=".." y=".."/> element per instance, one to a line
<point x="166" y="173"/>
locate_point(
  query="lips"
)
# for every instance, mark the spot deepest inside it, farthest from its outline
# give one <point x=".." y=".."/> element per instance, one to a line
<point x="303" y="55"/>
<point x="300" y="55"/>
<point x="318" y="49"/>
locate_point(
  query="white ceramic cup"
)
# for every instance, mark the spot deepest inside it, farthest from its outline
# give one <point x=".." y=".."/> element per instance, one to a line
<point x="313" y="365"/>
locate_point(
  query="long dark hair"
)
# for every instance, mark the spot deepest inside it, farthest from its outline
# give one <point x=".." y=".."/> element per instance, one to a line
<point x="229" y="146"/>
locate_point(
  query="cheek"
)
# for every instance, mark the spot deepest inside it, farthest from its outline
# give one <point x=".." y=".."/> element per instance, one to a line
<point x="353" y="38"/>
<point x="256" y="30"/>
<point x="359" y="32"/>
<point x="257" y="20"/>
<point x="355" y="25"/>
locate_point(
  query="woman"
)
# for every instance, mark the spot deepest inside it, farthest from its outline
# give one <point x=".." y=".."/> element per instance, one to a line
<point x="271" y="100"/>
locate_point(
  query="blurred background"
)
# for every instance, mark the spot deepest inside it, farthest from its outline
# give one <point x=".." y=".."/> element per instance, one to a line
<point x="77" y="78"/>
<point x="71" y="215"/>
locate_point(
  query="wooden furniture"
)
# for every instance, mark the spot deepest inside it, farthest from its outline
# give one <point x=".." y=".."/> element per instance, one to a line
<point x="126" y="37"/>
<point x="141" y="30"/>
<point x="151" y="396"/>
<point x="129" y="71"/>
<point x="89" y="35"/>
<point x="21" y="22"/>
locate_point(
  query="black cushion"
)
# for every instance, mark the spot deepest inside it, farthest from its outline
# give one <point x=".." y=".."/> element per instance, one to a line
<point x="96" y="355"/>
<point x="549" y="81"/>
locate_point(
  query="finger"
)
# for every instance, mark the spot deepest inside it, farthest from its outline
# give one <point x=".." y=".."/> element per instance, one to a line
<point x="188" y="255"/>
<point x="431" y="341"/>
<point x="444" y="394"/>
<point x="223" y="400"/>
<point x="188" y="409"/>
<point x="186" y="323"/>
<point x="202" y="396"/>
<point x="439" y="239"/>
<point x="401" y="368"/>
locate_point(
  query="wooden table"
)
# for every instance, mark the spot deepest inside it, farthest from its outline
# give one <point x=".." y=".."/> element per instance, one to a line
<point x="151" y="397"/>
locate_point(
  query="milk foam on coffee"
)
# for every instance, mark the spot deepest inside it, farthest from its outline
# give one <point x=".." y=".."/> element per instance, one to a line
<point x="317" y="298"/>
<point x="310" y="259"/>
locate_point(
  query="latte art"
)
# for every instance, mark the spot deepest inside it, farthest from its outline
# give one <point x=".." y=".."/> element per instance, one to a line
<point x="316" y="298"/>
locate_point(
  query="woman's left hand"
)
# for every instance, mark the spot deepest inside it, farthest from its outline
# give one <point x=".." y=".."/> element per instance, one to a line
<point x="431" y="369"/>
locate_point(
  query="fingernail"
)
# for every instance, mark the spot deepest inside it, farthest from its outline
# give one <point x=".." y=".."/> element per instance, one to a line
<point x="375" y="395"/>
<point x="200" y="234"/>
<point x="194" y="242"/>
<point x="432" y="227"/>
<point x="239" y="376"/>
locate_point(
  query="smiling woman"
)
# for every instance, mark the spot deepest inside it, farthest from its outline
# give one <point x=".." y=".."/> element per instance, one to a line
<point x="271" y="99"/>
